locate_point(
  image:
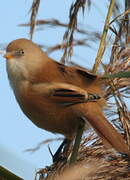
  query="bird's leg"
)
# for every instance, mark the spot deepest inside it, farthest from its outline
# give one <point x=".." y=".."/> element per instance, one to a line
<point x="62" y="152"/>
<point x="80" y="130"/>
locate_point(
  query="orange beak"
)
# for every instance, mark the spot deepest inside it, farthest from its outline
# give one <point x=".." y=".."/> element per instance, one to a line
<point x="8" y="55"/>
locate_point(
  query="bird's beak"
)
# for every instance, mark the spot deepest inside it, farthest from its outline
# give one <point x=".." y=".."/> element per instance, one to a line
<point x="8" y="55"/>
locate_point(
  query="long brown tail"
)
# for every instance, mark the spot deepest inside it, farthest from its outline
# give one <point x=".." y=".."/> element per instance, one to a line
<point x="109" y="135"/>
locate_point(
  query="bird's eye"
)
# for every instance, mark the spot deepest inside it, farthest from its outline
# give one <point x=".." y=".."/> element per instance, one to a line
<point x="19" y="52"/>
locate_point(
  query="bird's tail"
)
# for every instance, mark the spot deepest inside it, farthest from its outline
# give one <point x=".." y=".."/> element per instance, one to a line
<point x="109" y="135"/>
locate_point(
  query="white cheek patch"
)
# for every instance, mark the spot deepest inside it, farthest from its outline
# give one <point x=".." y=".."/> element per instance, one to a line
<point x="16" y="72"/>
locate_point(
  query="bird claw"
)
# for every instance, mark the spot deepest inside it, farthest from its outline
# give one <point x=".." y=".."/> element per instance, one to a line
<point x="59" y="154"/>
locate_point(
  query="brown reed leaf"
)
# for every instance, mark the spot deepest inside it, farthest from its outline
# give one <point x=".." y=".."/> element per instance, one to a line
<point x="39" y="145"/>
<point x="68" y="36"/>
<point x="34" y="11"/>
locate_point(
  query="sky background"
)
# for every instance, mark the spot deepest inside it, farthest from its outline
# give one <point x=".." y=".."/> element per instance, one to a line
<point x="17" y="133"/>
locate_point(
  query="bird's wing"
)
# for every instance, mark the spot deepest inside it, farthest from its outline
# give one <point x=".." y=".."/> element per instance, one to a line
<point x="85" y="73"/>
<point x="64" y="94"/>
<point x="75" y="69"/>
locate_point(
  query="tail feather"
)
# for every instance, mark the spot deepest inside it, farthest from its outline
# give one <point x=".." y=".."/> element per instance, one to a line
<point x="109" y="135"/>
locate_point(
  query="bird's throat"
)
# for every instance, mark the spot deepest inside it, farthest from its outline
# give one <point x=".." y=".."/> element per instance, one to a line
<point x="17" y="73"/>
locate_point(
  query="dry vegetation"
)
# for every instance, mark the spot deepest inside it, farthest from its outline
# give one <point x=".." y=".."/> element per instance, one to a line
<point x="95" y="162"/>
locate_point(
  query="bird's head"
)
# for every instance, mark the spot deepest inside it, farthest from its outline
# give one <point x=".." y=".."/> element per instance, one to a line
<point x="24" y="58"/>
<point x="23" y="50"/>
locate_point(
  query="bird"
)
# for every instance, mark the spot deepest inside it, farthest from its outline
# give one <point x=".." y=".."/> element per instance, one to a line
<point x="56" y="97"/>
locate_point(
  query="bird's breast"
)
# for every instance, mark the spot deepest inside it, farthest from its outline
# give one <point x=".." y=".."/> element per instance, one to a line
<point x="45" y="114"/>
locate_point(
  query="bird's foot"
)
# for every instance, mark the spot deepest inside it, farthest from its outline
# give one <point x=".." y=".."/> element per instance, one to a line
<point x="61" y="154"/>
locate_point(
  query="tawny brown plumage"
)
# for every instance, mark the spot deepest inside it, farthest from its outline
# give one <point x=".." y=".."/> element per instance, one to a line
<point x="54" y="96"/>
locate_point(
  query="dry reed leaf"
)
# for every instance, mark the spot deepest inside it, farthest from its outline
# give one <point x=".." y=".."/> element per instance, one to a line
<point x="34" y="11"/>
